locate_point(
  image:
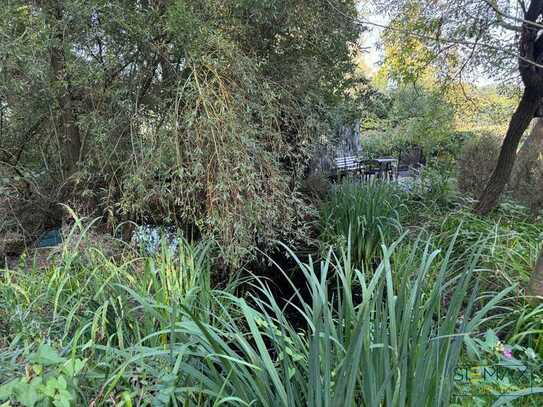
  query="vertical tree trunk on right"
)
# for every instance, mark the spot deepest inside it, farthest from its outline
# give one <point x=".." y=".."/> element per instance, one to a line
<point x="535" y="286"/>
<point x="527" y="179"/>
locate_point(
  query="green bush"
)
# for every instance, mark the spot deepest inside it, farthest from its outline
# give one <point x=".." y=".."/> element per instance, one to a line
<point x="380" y="143"/>
<point x="476" y="163"/>
<point x="198" y="113"/>
<point x="433" y="190"/>
<point x="417" y="117"/>
<point x="526" y="183"/>
<point x="49" y="380"/>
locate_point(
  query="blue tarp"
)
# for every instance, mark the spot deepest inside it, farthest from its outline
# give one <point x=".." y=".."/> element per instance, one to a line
<point x="50" y="239"/>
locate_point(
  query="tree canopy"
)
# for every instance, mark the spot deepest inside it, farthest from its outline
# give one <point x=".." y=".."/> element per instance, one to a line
<point x="495" y="36"/>
<point x="198" y="113"/>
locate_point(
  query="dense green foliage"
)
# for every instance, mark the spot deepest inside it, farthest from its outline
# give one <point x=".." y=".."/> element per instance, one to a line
<point x="416" y="117"/>
<point x="362" y="217"/>
<point x="153" y="330"/>
<point x="196" y="113"/>
<point x="204" y="118"/>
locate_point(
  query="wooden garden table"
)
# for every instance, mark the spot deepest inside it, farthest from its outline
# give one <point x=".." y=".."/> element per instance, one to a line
<point x="389" y="167"/>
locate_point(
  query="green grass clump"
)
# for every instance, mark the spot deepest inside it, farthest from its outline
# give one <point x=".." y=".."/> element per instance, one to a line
<point x="509" y="241"/>
<point x="511" y="238"/>
<point x="366" y="214"/>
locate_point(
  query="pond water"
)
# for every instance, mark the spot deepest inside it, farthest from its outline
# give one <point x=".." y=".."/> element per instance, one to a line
<point x="152" y="238"/>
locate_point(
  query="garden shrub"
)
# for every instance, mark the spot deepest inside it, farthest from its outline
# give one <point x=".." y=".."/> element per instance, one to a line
<point x="316" y="187"/>
<point x="198" y="114"/>
<point x="417" y="118"/>
<point x="478" y="160"/>
<point x="50" y="380"/>
<point x="476" y="163"/>
<point x="527" y="183"/>
<point x="447" y="149"/>
<point x="220" y="172"/>
<point x="432" y="189"/>
<point x="378" y="143"/>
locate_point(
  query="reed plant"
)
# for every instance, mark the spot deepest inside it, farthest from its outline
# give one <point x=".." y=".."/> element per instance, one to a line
<point x="154" y="332"/>
<point x="365" y="215"/>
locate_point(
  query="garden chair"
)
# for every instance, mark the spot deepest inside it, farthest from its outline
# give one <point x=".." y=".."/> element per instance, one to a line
<point x="410" y="158"/>
<point x="371" y="169"/>
<point x="346" y="165"/>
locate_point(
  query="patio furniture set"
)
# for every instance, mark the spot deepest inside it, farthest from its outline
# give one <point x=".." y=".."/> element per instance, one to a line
<point x="383" y="168"/>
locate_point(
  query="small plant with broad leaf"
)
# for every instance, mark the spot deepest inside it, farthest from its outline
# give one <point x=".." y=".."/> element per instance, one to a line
<point x="49" y="380"/>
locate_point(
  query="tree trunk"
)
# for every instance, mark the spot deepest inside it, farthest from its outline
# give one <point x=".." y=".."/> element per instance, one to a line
<point x="535" y="286"/>
<point x="533" y="145"/>
<point x="71" y="138"/>
<point x="528" y="171"/>
<point x="506" y="160"/>
<point x="527" y="158"/>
